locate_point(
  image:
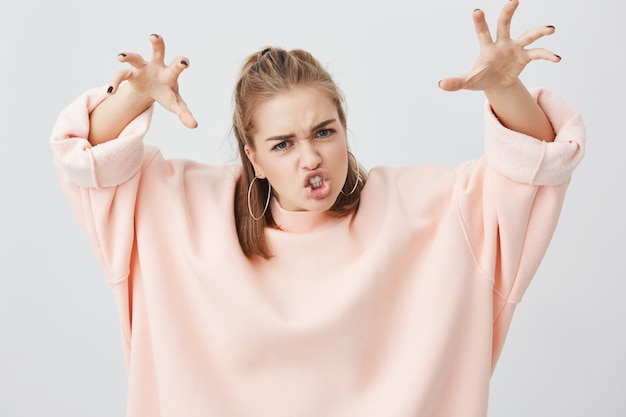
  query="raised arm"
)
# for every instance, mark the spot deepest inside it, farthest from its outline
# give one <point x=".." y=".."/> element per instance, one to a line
<point x="146" y="82"/>
<point x="497" y="69"/>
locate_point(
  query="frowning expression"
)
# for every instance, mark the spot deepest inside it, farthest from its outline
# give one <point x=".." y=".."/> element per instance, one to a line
<point x="300" y="146"/>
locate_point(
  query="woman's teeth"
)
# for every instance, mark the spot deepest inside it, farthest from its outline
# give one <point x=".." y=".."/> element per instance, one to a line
<point x="316" y="181"/>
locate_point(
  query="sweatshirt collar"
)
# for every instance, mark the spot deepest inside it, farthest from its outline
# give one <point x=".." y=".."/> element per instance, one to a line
<point x="300" y="221"/>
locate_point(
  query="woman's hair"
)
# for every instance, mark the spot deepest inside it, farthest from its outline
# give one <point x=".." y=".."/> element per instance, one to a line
<point x="263" y="75"/>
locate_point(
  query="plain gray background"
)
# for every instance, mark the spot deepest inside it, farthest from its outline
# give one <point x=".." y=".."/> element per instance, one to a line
<point x="60" y="348"/>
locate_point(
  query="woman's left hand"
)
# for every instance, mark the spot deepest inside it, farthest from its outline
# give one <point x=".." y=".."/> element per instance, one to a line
<point x="500" y="63"/>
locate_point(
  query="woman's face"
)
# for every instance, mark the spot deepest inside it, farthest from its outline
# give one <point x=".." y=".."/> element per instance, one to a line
<point x="301" y="148"/>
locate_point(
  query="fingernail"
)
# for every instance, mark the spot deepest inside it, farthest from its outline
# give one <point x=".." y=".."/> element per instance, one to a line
<point x="558" y="56"/>
<point x="439" y="83"/>
<point x="551" y="27"/>
<point x="185" y="63"/>
<point x="476" y="10"/>
<point x="110" y="90"/>
<point x="121" y="54"/>
<point x="155" y="35"/>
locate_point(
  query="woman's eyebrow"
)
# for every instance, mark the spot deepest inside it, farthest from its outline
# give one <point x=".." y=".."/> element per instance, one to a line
<point x="280" y="137"/>
<point x="322" y="124"/>
<point x="291" y="135"/>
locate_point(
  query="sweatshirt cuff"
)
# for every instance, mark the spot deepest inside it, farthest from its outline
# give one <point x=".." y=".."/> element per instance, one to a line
<point x="526" y="159"/>
<point x="105" y="165"/>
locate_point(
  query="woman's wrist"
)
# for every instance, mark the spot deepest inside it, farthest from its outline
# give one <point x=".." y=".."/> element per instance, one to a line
<point x="518" y="110"/>
<point x="111" y="116"/>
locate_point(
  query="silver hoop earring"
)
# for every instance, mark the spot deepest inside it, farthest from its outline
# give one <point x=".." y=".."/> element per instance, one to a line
<point x="356" y="183"/>
<point x="358" y="176"/>
<point x="267" y="202"/>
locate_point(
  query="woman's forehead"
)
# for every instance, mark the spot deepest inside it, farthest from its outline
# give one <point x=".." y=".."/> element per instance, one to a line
<point x="297" y="108"/>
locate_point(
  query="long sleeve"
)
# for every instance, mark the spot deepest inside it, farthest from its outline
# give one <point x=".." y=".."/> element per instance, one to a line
<point x="510" y="202"/>
<point x="101" y="182"/>
<point x="105" y="165"/>
<point x="528" y="160"/>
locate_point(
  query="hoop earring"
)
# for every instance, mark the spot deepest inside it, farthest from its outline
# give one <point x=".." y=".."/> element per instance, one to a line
<point x="356" y="183"/>
<point x="267" y="202"/>
<point x="358" y="177"/>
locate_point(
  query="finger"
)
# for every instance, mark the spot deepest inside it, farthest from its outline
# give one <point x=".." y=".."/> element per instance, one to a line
<point x="540" y="53"/>
<point x="481" y="27"/>
<point x="504" y="21"/>
<point x="472" y="80"/>
<point x="452" y="84"/>
<point x="158" y="48"/>
<point x="135" y="60"/>
<point x="117" y="79"/>
<point x="183" y="113"/>
<point x="532" y="35"/>
<point x="188" y="120"/>
<point x="179" y="64"/>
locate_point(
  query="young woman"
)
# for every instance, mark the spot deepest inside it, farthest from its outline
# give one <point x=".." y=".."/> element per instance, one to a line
<point x="297" y="284"/>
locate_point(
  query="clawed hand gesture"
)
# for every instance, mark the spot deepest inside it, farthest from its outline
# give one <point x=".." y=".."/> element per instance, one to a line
<point x="498" y="66"/>
<point x="155" y="80"/>
<point x="501" y="61"/>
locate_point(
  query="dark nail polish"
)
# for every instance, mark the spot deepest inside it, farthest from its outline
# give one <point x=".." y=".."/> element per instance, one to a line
<point x="155" y="35"/>
<point x="109" y="90"/>
<point x="121" y="54"/>
<point x="185" y="63"/>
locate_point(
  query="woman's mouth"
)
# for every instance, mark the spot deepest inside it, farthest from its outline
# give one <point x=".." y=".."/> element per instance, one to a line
<point x="318" y="185"/>
<point x="316" y="181"/>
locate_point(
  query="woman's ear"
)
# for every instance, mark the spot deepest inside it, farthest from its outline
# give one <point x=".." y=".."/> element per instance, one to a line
<point x="251" y="155"/>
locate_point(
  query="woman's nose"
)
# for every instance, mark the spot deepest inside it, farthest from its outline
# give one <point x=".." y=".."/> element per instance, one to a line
<point x="309" y="156"/>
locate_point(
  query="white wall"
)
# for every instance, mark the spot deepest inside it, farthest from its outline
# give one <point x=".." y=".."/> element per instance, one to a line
<point x="60" y="350"/>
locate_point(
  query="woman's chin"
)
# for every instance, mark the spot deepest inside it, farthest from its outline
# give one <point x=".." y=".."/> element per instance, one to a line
<point x="311" y="204"/>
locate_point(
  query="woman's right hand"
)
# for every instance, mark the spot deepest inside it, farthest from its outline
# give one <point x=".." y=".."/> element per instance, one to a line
<point x="154" y="81"/>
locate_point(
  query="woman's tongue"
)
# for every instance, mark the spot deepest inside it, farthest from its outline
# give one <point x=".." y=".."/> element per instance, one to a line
<point x="318" y="188"/>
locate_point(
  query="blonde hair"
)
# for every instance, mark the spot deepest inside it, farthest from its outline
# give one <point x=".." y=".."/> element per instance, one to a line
<point x="264" y="74"/>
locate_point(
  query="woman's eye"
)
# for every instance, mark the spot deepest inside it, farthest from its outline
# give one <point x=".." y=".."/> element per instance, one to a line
<point x="281" y="146"/>
<point x="324" y="133"/>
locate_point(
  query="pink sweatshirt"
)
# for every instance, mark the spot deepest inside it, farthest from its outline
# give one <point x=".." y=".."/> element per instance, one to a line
<point x="400" y="309"/>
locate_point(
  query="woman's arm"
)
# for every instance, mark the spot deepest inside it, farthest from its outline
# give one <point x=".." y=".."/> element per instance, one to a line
<point x="497" y="71"/>
<point x="146" y="82"/>
<point x="110" y="117"/>
<point x="518" y="110"/>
